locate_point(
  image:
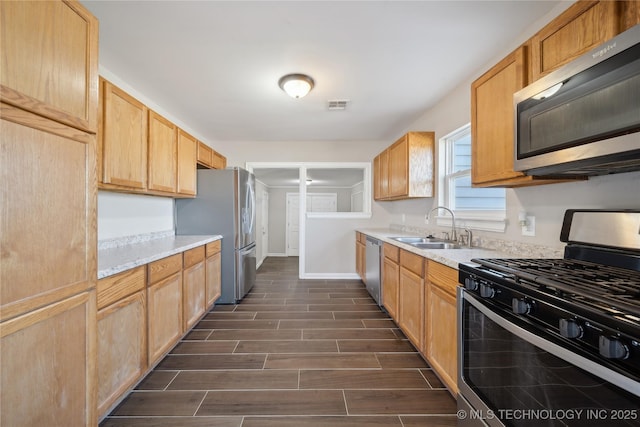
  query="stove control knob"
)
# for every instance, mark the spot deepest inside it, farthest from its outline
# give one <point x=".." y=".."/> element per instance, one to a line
<point x="570" y="328"/>
<point x="612" y="348"/>
<point x="471" y="284"/>
<point x="520" y="306"/>
<point x="487" y="291"/>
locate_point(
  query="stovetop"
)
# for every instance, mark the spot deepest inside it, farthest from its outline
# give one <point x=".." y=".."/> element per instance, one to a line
<point x="610" y="289"/>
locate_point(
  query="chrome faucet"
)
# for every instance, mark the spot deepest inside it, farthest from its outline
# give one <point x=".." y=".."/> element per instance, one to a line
<point x="454" y="236"/>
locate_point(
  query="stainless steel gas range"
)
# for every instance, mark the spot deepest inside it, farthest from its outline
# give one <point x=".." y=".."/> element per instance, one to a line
<point x="555" y="342"/>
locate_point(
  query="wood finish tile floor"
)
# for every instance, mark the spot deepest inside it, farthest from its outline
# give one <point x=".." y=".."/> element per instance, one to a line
<point x="312" y="353"/>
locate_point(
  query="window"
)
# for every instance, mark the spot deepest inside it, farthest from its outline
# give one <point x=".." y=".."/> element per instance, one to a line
<point x="477" y="207"/>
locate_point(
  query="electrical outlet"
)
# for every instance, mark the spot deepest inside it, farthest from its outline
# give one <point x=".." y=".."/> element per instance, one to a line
<point x="529" y="228"/>
<point x="426" y="219"/>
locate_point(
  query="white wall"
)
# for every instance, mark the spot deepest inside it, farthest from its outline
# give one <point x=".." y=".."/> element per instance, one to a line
<point x="121" y="215"/>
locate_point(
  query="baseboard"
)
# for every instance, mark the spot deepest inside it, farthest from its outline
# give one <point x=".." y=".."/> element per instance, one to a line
<point x="331" y="276"/>
<point x="277" y="254"/>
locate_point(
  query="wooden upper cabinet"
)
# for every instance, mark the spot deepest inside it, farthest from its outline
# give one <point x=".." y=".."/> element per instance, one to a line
<point x="406" y="168"/>
<point x="492" y="122"/>
<point x="187" y="163"/>
<point x="210" y="158"/>
<point x="162" y="164"/>
<point x="50" y="66"/>
<point x="583" y="26"/>
<point x="630" y="14"/>
<point x="218" y="161"/>
<point x="123" y="139"/>
<point x="204" y="154"/>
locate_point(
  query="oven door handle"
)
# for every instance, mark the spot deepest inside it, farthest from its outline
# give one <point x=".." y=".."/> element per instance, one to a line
<point x="590" y="366"/>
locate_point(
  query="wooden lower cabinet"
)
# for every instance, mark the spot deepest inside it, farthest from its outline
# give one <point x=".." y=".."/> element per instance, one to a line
<point x="122" y="347"/>
<point x="47" y="374"/>
<point x="213" y="271"/>
<point x="411" y="297"/>
<point x="164" y="315"/>
<point x="441" y="316"/>
<point x="391" y="279"/>
<point x="193" y="287"/>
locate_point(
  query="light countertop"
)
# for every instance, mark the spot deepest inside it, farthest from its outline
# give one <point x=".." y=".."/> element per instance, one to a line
<point x="448" y="257"/>
<point x="115" y="260"/>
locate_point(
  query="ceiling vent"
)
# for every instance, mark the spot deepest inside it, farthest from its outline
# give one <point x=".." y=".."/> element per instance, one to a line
<point x="337" y="104"/>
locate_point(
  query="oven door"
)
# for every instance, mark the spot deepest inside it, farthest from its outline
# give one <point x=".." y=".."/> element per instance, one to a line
<point x="513" y="375"/>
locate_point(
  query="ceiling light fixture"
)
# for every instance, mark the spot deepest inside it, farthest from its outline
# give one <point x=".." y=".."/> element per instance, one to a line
<point x="296" y="85"/>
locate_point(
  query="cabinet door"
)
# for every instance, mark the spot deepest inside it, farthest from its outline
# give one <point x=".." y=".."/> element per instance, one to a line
<point x="376" y="177"/>
<point x="50" y="60"/>
<point x="123" y="138"/>
<point x="193" y="294"/>
<point x="187" y="163"/>
<point x="630" y="14"/>
<point x="47" y="232"/>
<point x="411" y="306"/>
<point x="47" y="373"/>
<point x="492" y="121"/>
<point x="390" y="287"/>
<point x="361" y="260"/>
<point x="162" y="166"/>
<point x="122" y="347"/>
<point x="398" y="164"/>
<point x="583" y="26"/>
<point x="218" y="161"/>
<point x="384" y="175"/>
<point x="165" y="315"/>
<point x="214" y="279"/>
<point x="204" y="154"/>
<point x="441" y="348"/>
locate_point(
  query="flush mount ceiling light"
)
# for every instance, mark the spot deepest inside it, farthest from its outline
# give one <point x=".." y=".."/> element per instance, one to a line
<point x="296" y="85"/>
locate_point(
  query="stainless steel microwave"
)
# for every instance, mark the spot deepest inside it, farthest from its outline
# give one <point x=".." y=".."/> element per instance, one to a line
<point x="584" y="118"/>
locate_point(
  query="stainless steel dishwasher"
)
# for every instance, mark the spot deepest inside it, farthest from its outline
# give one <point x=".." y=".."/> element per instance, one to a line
<point x="373" y="279"/>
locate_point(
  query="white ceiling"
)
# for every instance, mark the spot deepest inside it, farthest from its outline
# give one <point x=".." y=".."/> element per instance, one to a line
<point x="215" y="65"/>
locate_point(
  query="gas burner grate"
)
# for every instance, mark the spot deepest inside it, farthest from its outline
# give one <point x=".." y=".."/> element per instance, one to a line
<point x="609" y="288"/>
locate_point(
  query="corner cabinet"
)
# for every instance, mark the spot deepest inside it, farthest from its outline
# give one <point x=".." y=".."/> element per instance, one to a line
<point x="405" y="170"/>
<point x="48" y="114"/>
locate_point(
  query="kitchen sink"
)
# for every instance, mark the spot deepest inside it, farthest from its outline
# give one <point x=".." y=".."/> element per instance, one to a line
<point x="436" y="245"/>
<point x="414" y="240"/>
<point x="427" y="242"/>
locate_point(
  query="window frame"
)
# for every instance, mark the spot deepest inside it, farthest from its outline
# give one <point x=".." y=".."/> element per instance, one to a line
<point x="485" y="220"/>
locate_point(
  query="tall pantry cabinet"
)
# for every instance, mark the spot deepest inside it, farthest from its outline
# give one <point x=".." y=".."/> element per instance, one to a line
<point x="48" y="109"/>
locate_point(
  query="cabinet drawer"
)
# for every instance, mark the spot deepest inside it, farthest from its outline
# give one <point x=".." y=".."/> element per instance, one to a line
<point x="412" y="262"/>
<point x="446" y="278"/>
<point x="164" y="267"/>
<point x="114" y="288"/>
<point x="213" y="248"/>
<point x="392" y="252"/>
<point x="193" y="256"/>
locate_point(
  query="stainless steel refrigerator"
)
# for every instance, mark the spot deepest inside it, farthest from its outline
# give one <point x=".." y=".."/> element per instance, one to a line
<point x="225" y="205"/>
